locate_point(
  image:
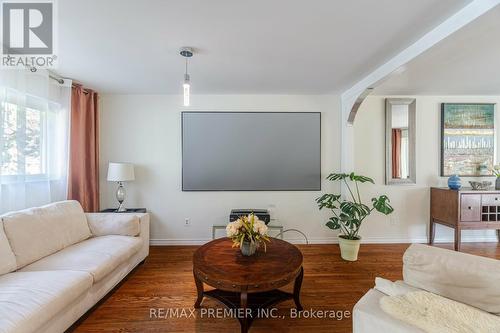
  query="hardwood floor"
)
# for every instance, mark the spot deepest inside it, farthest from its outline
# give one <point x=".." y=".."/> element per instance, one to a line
<point x="166" y="281"/>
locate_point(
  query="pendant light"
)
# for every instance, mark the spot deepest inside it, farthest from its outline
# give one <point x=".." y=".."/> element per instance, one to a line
<point x="186" y="52"/>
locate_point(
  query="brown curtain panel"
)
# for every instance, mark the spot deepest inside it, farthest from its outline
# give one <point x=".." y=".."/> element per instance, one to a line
<point x="396" y="153"/>
<point x="83" y="178"/>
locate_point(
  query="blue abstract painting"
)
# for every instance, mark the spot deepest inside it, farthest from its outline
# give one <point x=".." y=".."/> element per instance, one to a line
<point x="468" y="139"/>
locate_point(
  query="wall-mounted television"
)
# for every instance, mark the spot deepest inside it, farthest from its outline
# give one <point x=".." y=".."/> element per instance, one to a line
<point x="251" y="151"/>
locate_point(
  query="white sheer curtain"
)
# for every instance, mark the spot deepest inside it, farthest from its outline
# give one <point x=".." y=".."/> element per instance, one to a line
<point x="34" y="135"/>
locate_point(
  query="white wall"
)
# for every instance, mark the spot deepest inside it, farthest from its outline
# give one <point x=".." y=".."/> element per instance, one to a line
<point x="410" y="220"/>
<point x="145" y="130"/>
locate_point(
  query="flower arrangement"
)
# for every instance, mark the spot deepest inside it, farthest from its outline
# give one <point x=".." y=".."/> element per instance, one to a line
<point x="247" y="233"/>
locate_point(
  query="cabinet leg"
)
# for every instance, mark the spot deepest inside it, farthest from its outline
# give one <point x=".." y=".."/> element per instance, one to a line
<point x="432" y="232"/>
<point x="458" y="234"/>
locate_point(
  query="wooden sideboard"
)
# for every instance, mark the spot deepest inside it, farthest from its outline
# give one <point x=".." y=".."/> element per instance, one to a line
<point x="464" y="209"/>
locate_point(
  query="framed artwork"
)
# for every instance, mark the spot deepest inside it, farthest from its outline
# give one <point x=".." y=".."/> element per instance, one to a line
<point x="467" y="139"/>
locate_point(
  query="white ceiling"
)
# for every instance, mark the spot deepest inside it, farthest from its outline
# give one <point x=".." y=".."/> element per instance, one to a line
<point x="246" y="47"/>
<point x="466" y="63"/>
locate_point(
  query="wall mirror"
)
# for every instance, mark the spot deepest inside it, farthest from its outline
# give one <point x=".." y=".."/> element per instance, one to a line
<point x="400" y="141"/>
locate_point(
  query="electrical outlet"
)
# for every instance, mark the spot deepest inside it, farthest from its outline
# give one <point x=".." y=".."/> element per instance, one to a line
<point x="187" y="222"/>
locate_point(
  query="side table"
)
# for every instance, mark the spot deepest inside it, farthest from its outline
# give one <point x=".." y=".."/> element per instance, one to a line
<point x="249" y="283"/>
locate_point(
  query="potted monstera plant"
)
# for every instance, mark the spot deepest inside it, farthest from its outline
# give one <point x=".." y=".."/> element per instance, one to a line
<point x="350" y="212"/>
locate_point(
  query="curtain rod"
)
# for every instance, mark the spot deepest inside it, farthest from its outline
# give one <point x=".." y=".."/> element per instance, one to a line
<point x="52" y="75"/>
<point x="58" y="79"/>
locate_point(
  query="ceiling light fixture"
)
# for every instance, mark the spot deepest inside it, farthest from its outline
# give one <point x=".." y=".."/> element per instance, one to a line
<point x="186" y="52"/>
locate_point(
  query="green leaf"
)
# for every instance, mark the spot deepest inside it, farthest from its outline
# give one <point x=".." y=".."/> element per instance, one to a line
<point x="344" y="217"/>
<point x="333" y="223"/>
<point x="381" y="204"/>
<point x="337" y="176"/>
<point x="351" y="176"/>
<point x="322" y="198"/>
<point x="328" y="201"/>
<point x="362" y="179"/>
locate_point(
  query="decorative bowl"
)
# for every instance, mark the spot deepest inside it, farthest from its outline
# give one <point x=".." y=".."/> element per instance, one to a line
<point x="478" y="186"/>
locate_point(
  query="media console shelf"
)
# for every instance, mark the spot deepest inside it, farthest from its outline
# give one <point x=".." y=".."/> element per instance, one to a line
<point x="464" y="209"/>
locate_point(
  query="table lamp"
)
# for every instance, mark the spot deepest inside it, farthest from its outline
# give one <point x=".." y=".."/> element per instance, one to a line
<point x="120" y="172"/>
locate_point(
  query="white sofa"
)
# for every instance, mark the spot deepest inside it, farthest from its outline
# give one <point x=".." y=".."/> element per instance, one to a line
<point x="461" y="277"/>
<point x="56" y="262"/>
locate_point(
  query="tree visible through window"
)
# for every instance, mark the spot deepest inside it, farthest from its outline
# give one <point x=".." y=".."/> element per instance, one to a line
<point x="22" y="139"/>
<point x="34" y="139"/>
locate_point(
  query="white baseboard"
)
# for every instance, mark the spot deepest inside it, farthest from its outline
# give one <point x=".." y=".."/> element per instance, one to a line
<point x="331" y="240"/>
<point x="169" y="242"/>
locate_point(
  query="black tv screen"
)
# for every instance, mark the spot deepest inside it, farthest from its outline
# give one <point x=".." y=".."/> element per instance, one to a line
<point x="251" y="151"/>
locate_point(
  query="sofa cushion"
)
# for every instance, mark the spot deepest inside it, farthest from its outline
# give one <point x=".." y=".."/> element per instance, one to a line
<point x="7" y="258"/>
<point x="98" y="256"/>
<point x="38" y="232"/>
<point x="462" y="277"/>
<point x="103" y="224"/>
<point x="30" y="299"/>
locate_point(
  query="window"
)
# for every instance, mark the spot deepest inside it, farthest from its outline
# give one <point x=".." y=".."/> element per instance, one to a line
<point x="30" y="133"/>
<point x="22" y="141"/>
<point x="34" y="126"/>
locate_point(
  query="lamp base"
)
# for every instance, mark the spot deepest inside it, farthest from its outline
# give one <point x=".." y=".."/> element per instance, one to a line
<point x="120" y="196"/>
<point x="121" y="208"/>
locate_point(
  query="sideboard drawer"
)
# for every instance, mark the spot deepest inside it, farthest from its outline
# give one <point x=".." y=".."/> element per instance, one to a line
<point x="470" y="207"/>
<point x="491" y="200"/>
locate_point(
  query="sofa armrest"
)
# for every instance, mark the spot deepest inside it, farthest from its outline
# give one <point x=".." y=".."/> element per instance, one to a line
<point x="462" y="277"/>
<point x="125" y="224"/>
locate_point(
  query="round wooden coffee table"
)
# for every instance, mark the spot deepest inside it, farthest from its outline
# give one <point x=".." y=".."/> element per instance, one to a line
<point x="248" y="284"/>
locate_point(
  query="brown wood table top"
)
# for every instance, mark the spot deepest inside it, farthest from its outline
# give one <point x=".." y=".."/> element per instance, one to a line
<point x="220" y="265"/>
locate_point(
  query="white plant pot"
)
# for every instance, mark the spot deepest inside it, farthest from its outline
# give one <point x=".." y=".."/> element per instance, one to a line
<point x="349" y="248"/>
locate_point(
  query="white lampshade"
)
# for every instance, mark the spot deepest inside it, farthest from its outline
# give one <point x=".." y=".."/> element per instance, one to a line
<point x="120" y="172"/>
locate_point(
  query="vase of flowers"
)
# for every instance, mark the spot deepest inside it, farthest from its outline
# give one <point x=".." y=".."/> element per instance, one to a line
<point x="496" y="172"/>
<point x="248" y="248"/>
<point x="248" y="233"/>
